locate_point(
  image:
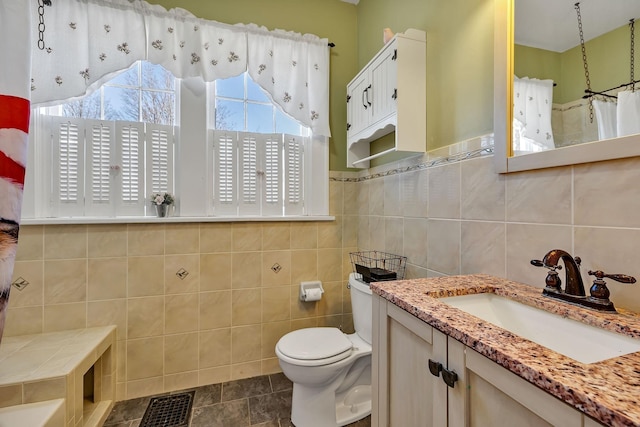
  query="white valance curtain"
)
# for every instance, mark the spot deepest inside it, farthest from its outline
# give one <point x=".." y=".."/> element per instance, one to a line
<point x="285" y="65"/>
<point x="87" y="41"/>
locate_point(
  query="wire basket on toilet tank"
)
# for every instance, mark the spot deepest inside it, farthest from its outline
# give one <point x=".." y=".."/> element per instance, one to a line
<point x="376" y="266"/>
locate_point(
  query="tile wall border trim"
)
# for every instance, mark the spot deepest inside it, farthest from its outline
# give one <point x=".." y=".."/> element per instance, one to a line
<point x="469" y="149"/>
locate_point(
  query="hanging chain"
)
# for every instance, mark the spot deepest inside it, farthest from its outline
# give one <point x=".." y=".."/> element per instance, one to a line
<point x="584" y="62"/>
<point x="633" y="80"/>
<point x="41" y="26"/>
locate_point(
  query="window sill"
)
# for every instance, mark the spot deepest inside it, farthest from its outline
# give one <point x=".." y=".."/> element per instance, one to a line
<point x="172" y="219"/>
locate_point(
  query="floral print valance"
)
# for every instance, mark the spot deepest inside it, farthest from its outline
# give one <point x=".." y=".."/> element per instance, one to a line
<point x="87" y="41"/>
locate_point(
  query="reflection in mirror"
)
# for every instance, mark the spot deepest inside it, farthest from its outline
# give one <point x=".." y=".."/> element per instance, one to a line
<point x="573" y="73"/>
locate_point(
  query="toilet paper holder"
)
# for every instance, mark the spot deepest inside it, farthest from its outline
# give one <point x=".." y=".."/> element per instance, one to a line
<point x="311" y="291"/>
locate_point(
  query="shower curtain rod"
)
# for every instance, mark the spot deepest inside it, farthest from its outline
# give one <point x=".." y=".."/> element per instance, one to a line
<point x="590" y="93"/>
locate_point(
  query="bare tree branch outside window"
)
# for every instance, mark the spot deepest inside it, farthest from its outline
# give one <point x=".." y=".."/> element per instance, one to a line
<point x="223" y="118"/>
<point x="147" y="96"/>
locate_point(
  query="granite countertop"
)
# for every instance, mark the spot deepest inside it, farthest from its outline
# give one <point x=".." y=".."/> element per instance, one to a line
<point x="607" y="391"/>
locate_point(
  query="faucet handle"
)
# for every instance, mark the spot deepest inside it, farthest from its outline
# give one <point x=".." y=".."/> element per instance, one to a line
<point x="599" y="291"/>
<point x="622" y="278"/>
<point x="552" y="281"/>
<point x="539" y="263"/>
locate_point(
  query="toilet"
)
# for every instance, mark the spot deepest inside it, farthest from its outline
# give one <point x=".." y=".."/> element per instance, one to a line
<point x="330" y="370"/>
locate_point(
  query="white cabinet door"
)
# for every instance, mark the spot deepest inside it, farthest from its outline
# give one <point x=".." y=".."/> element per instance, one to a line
<point x="411" y="388"/>
<point x="383" y="84"/>
<point x="405" y="392"/>
<point x="358" y="109"/>
<point x="457" y="409"/>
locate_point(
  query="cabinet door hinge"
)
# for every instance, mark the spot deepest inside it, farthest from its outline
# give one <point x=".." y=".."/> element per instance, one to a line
<point x="348" y="98"/>
<point x="394" y="95"/>
<point x="348" y="126"/>
<point x="395" y="55"/>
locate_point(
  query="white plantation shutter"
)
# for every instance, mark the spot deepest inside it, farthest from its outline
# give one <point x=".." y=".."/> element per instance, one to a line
<point x="249" y="191"/>
<point x="294" y="174"/>
<point x="258" y="174"/>
<point x="99" y="142"/>
<point x="271" y="164"/>
<point x="67" y="166"/>
<point x="160" y="166"/>
<point x="160" y="155"/>
<point x="130" y="167"/>
<point x="225" y="169"/>
<point x="109" y="180"/>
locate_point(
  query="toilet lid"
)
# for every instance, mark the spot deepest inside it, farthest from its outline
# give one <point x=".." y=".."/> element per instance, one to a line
<point x="314" y="343"/>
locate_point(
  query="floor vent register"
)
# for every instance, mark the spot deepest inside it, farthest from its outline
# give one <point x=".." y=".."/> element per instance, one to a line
<point x="169" y="411"/>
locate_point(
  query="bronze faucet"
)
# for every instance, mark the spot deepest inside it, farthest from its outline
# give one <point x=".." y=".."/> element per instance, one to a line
<point x="574" y="288"/>
<point x="574" y="285"/>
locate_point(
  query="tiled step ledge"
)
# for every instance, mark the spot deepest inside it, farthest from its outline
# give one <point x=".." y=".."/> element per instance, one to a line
<point x="36" y="368"/>
<point x="49" y="413"/>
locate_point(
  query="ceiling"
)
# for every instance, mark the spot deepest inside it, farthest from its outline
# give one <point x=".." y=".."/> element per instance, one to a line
<point x="553" y="24"/>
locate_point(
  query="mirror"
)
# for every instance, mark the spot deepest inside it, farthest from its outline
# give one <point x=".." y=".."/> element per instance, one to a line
<point x="539" y="125"/>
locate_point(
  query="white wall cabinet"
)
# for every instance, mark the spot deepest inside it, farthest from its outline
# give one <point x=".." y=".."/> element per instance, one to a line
<point x="406" y="393"/>
<point x="389" y="94"/>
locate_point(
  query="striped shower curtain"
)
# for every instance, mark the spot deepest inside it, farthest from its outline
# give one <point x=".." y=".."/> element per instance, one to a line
<point x="15" y="69"/>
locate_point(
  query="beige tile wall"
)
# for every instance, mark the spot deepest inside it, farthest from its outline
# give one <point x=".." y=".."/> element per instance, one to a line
<point x="223" y="319"/>
<point x="220" y="321"/>
<point x="463" y="218"/>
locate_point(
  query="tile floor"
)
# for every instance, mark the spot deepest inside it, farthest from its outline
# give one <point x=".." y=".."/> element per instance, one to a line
<point x="261" y="401"/>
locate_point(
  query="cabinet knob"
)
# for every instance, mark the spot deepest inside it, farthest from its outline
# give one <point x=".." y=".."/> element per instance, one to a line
<point x="435" y="368"/>
<point x="449" y="377"/>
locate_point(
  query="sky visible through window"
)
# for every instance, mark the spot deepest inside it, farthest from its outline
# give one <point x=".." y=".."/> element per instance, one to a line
<point x="242" y="105"/>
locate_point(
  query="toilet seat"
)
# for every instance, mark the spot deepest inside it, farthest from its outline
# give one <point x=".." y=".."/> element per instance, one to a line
<point x="314" y="346"/>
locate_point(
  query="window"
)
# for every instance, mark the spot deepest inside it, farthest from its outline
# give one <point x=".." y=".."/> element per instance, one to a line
<point x="104" y="154"/>
<point x="112" y="147"/>
<point x="258" y="152"/>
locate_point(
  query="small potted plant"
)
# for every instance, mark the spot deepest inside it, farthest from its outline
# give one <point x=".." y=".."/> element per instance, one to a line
<point x="162" y="202"/>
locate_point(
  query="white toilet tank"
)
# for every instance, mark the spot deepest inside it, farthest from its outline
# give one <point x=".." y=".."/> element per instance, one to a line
<point x="361" y="307"/>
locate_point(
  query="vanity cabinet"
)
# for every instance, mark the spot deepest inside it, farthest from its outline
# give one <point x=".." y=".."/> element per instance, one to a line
<point x="406" y="393"/>
<point x="389" y="94"/>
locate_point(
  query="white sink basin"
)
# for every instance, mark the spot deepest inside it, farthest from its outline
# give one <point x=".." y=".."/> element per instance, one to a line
<point x="579" y="341"/>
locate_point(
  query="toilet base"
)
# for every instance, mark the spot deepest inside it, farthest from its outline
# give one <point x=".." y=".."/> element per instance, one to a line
<point x="354" y="406"/>
<point x="350" y="406"/>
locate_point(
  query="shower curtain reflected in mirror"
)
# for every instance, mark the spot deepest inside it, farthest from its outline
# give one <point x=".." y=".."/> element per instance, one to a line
<point x="619" y="118"/>
<point x="532" y="102"/>
<point x="628" y="113"/>
<point x="606" y="118"/>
